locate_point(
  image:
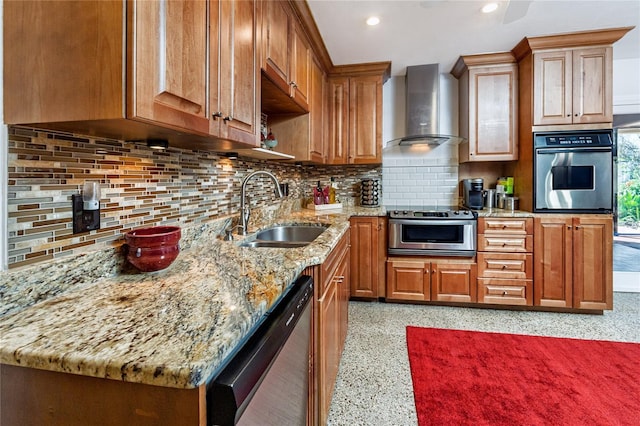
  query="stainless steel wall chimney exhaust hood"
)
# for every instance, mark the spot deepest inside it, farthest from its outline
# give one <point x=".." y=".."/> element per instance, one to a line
<point x="423" y="108"/>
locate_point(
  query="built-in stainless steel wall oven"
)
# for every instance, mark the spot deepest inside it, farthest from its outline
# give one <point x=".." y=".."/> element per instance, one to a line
<point x="573" y="171"/>
<point x="430" y="231"/>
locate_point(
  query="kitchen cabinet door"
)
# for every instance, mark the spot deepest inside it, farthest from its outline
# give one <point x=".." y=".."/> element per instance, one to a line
<point x="553" y="269"/>
<point x="343" y="281"/>
<point x="367" y="256"/>
<point x="332" y="320"/>
<point x="453" y="282"/>
<point x="338" y="120"/>
<point x="592" y="263"/>
<point x="408" y="279"/>
<point x="553" y="90"/>
<point x="573" y="262"/>
<point x="355" y="120"/>
<point x="170" y="55"/>
<point x="329" y="334"/>
<point x="300" y="66"/>
<point x="365" y="120"/>
<point x="593" y="85"/>
<point x="276" y="43"/>
<point x="488" y="95"/>
<point x="317" y="143"/>
<point x="573" y="86"/>
<point x="49" y="92"/>
<point x="287" y="54"/>
<point x="234" y="71"/>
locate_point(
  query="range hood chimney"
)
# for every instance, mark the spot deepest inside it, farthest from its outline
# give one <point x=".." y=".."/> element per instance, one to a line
<point x="423" y="108"/>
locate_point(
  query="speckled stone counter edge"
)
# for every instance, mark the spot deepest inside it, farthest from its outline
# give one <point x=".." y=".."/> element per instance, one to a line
<point x="97" y="317"/>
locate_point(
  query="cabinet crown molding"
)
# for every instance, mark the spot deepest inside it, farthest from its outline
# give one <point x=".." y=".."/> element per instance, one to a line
<point x="485" y="59"/>
<point x="569" y="40"/>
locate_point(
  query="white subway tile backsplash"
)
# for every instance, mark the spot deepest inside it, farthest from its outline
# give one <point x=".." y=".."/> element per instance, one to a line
<point x="420" y="182"/>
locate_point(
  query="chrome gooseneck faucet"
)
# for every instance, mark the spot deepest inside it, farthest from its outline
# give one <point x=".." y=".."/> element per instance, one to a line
<point x="245" y="208"/>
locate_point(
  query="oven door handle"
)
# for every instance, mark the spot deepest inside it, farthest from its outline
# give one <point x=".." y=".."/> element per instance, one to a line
<point x="571" y="150"/>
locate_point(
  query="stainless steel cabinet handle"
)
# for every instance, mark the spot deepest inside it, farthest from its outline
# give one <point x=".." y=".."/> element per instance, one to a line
<point x="215" y="115"/>
<point x="228" y="118"/>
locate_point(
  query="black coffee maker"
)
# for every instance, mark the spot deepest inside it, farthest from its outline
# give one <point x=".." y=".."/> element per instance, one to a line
<point x="472" y="193"/>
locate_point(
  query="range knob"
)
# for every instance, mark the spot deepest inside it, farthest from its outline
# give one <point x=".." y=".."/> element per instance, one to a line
<point x="396" y="212"/>
<point x="404" y="212"/>
<point x="456" y="212"/>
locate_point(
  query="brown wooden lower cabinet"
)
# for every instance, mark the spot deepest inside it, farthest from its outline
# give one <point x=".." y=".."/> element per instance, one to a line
<point x="39" y="397"/>
<point x="368" y="253"/>
<point x="573" y="261"/>
<point x="502" y="291"/>
<point x="445" y="280"/>
<point x="330" y="326"/>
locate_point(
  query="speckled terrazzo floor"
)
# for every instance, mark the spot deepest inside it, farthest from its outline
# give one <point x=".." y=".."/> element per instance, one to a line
<point x="374" y="381"/>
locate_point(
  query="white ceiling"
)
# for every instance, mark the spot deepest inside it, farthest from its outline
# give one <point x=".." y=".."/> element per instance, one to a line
<point x="439" y="31"/>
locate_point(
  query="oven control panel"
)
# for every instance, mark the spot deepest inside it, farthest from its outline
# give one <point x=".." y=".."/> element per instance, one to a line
<point x="417" y="214"/>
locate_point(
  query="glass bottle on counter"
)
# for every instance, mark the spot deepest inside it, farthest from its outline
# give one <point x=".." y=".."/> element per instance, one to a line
<point x="332" y="191"/>
<point x="318" y="195"/>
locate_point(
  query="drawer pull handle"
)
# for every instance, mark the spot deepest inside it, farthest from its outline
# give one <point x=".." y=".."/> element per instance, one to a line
<point x="504" y="266"/>
<point x="504" y="293"/>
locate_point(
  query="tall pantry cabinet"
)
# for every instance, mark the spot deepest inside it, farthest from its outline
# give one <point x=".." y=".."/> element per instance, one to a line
<point x="565" y="83"/>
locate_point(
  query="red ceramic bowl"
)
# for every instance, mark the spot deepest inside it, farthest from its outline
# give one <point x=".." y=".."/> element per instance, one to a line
<point x="153" y="249"/>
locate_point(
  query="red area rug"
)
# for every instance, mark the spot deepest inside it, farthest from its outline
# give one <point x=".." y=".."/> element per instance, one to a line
<point x="478" y="378"/>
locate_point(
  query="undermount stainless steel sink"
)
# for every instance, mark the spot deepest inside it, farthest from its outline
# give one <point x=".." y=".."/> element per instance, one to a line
<point x="285" y="236"/>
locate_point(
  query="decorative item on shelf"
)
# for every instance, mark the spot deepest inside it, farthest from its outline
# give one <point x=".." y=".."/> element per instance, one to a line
<point x="270" y="142"/>
<point x="154" y="248"/>
<point x="369" y="193"/>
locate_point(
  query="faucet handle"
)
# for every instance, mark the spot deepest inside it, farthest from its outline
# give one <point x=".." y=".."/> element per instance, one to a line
<point x="228" y="232"/>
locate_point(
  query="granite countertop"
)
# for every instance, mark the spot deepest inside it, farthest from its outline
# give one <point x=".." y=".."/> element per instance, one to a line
<point x="171" y="328"/>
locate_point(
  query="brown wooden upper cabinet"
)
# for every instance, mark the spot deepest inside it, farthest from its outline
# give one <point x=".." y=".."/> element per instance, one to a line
<point x="566" y="79"/>
<point x="134" y="70"/>
<point x="573" y="86"/>
<point x="355" y="118"/>
<point x="488" y="106"/>
<point x="234" y="78"/>
<point x="287" y="55"/>
<point x="303" y="135"/>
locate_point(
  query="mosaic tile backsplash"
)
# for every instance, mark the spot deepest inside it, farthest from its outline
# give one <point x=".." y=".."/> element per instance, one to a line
<point x="140" y="187"/>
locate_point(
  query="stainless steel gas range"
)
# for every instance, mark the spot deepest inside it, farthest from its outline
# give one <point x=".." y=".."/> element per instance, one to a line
<point x="432" y="231"/>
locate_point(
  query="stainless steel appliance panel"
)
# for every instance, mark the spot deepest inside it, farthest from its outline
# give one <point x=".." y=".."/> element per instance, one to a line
<point x="435" y="237"/>
<point x="267" y="381"/>
<point x="576" y="175"/>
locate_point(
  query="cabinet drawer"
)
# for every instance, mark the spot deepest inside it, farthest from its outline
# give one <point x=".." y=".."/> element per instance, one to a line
<point x="328" y="267"/>
<point x="492" y="225"/>
<point x="508" y="243"/>
<point x="505" y="265"/>
<point x="505" y="292"/>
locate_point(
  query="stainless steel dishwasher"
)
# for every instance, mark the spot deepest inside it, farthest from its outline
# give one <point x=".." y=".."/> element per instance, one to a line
<point x="267" y="381"/>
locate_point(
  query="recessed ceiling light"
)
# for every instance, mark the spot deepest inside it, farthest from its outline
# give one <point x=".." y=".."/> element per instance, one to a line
<point x="374" y="20"/>
<point x="490" y="7"/>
